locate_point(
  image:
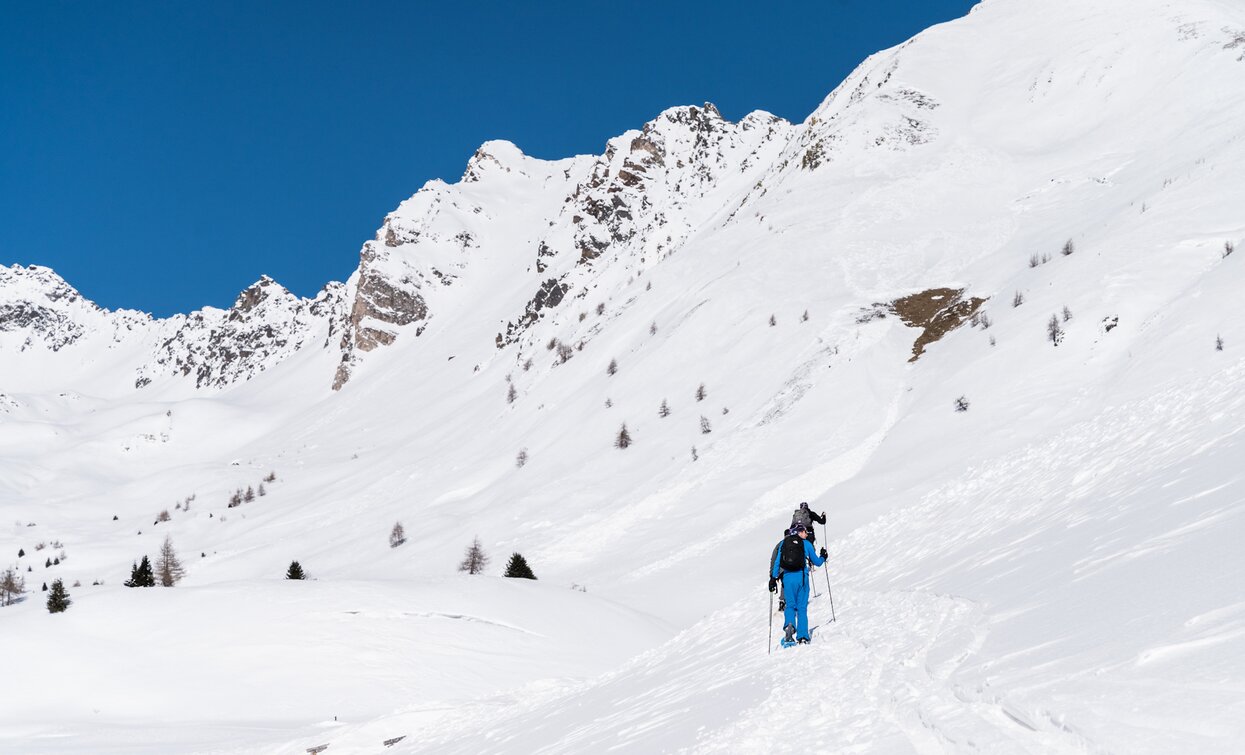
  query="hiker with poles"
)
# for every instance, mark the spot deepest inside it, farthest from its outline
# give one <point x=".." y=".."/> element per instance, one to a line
<point x="791" y="561"/>
<point x="806" y="517"/>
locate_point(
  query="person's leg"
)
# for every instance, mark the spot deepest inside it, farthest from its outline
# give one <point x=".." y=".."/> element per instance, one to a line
<point x="801" y="627"/>
<point x="790" y="587"/>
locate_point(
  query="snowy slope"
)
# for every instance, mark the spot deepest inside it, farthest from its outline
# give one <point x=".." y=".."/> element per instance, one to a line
<point x="1053" y="570"/>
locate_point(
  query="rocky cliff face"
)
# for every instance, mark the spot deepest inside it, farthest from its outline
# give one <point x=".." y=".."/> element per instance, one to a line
<point x="264" y="327"/>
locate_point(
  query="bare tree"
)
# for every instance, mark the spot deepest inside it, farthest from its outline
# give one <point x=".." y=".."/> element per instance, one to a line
<point x="397" y="535"/>
<point x="272" y="477"/>
<point x="1067" y="313"/>
<point x="601" y="308"/>
<point x="474" y="561"/>
<point x="705" y="429"/>
<point x="12" y="585"/>
<point x="1228" y="249"/>
<point x="168" y="569"/>
<point x="163" y="516"/>
<point x="1018" y="299"/>
<point x="1054" y="331"/>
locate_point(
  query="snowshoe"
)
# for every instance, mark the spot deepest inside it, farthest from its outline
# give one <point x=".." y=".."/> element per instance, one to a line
<point x="789" y="640"/>
<point x="803" y="641"/>
<point x="787" y="643"/>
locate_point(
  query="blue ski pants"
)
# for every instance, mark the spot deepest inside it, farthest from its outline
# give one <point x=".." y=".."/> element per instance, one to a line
<point x="795" y="590"/>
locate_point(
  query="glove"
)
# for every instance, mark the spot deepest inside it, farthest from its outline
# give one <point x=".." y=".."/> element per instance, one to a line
<point x="823" y="553"/>
<point x="823" y="515"/>
<point x="773" y="585"/>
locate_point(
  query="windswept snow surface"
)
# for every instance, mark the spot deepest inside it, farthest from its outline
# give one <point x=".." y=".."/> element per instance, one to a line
<point x="1056" y="569"/>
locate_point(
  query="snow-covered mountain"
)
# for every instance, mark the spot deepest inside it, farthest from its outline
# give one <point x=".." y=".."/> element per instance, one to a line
<point x="981" y="307"/>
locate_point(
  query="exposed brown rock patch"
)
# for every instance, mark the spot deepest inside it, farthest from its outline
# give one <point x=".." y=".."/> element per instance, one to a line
<point x="936" y="311"/>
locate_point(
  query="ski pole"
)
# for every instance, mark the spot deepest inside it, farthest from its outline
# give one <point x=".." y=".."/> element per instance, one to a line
<point x="826" y="535"/>
<point x="769" y="644"/>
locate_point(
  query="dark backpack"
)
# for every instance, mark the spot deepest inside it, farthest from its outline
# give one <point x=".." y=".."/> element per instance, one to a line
<point x="802" y="516"/>
<point x="792" y="557"/>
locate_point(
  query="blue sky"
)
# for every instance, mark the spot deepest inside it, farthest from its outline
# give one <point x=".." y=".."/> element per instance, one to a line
<point x="163" y="155"/>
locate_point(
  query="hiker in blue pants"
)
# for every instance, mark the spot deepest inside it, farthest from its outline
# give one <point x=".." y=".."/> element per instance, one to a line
<point x="791" y="563"/>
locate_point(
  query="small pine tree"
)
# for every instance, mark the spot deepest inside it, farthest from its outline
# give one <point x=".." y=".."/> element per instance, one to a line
<point x="1067" y="313"/>
<point x="45" y="587"/>
<point x="772" y="321"/>
<point x="518" y="568"/>
<point x="295" y="571"/>
<point x="961" y="404"/>
<point x="168" y="567"/>
<point x="695" y="456"/>
<point x="1228" y="249"/>
<point x="609" y="402"/>
<point x="705" y="429"/>
<point x="141" y="575"/>
<point x="511" y="394"/>
<point x="272" y="477"/>
<point x="1068" y="248"/>
<point x="804" y="317"/>
<point x="1054" y="331"/>
<point x="612" y="369"/>
<point x="249" y="495"/>
<point x="47" y="564"/>
<point x="520" y="459"/>
<point x="21" y="552"/>
<point x="624" y="438"/>
<point x="397" y="535"/>
<point x="474" y="560"/>
<point x="701" y="393"/>
<point x="664" y="409"/>
<point x="1218" y="343"/>
<point x="261" y="490"/>
<point x="601" y="308"/>
<point x="1018" y="299"/>
<point x="652" y="328"/>
<point x="58" y="598"/>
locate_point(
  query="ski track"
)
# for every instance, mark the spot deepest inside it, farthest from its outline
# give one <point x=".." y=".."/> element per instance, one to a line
<point x="894" y="655"/>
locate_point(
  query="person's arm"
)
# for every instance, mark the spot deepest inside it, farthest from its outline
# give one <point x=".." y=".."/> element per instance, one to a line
<point x="811" y="555"/>
<point x="819" y="518"/>
<point x="773" y="569"/>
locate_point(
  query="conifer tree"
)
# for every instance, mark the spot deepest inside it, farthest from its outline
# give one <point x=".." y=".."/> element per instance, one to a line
<point x="397" y="535"/>
<point x="141" y="575"/>
<point x="295" y="571"/>
<point x="168" y="567"/>
<point x="21" y="552"/>
<point x="249" y="495"/>
<point x="518" y="568"/>
<point x="474" y="561"/>
<point x="58" y="599"/>
<point x="664" y="409"/>
<point x="624" y="438"/>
